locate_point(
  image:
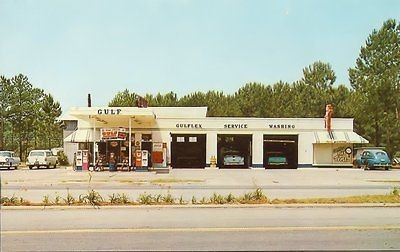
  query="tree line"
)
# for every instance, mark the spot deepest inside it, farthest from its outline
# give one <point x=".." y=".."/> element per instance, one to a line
<point x="373" y="99"/>
<point x="28" y="117"/>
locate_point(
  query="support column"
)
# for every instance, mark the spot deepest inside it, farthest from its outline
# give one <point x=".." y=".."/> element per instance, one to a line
<point x="94" y="141"/>
<point x="211" y="147"/>
<point x="130" y="142"/>
<point x="257" y="147"/>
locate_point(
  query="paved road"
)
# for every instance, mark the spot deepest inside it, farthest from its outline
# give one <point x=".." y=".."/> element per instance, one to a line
<point x="324" y="182"/>
<point x="186" y="228"/>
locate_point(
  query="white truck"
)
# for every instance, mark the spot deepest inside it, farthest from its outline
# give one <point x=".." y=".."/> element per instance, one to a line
<point x="9" y="160"/>
<point x="44" y="158"/>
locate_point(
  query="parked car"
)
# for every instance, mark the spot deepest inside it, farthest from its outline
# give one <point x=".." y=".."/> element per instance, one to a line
<point x="276" y="159"/>
<point x="44" y="158"/>
<point x="9" y="160"/>
<point x="233" y="158"/>
<point x="372" y="159"/>
<point x="357" y="163"/>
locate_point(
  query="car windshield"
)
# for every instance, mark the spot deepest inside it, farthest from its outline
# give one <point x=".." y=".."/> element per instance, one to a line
<point x="5" y="154"/>
<point x="37" y="153"/>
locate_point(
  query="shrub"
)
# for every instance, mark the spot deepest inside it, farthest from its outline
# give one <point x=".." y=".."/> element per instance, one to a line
<point x="62" y="158"/>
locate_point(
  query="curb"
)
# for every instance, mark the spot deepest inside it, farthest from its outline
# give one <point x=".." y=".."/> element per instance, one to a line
<point x="210" y="206"/>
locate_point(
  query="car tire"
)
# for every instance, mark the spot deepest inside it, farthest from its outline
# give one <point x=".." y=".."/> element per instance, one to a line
<point x="30" y="167"/>
<point x="55" y="166"/>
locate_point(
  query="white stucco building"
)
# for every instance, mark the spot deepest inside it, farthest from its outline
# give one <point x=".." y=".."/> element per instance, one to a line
<point x="191" y="139"/>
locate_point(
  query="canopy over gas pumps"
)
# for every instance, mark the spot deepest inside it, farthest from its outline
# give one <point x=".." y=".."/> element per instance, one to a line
<point x="109" y="117"/>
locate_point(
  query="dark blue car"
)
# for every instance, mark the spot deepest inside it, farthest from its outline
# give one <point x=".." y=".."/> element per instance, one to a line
<point x="373" y="159"/>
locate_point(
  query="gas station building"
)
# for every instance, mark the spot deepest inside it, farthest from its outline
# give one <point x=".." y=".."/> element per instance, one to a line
<point x="184" y="137"/>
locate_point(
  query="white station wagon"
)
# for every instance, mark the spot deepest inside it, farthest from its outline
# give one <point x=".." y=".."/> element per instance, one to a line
<point x="43" y="158"/>
<point x="8" y="160"/>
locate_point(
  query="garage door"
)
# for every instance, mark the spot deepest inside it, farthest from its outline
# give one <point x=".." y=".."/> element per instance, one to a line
<point x="234" y="151"/>
<point x="188" y="151"/>
<point x="281" y="151"/>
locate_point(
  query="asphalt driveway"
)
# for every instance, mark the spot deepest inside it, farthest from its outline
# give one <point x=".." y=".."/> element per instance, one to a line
<point x="33" y="185"/>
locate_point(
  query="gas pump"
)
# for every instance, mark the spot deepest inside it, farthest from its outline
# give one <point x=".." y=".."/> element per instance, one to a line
<point x="142" y="161"/>
<point x="82" y="160"/>
<point x="145" y="159"/>
<point x="85" y="160"/>
<point x="78" y="161"/>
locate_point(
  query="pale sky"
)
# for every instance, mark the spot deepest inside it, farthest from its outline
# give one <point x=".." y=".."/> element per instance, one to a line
<point x="71" y="48"/>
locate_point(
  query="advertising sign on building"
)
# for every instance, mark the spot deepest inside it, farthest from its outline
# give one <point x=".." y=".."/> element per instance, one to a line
<point x="113" y="133"/>
<point x="342" y="155"/>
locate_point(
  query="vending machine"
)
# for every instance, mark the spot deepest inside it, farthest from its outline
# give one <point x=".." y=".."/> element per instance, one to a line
<point x="159" y="155"/>
<point x="82" y="160"/>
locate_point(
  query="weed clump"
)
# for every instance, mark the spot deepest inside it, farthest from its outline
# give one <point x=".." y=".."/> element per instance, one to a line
<point x="217" y="199"/>
<point x="119" y="199"/>
<point x="256" y="197"/>
<point x="145" y="199"/>
<point x="395" y="191"/>
<point x="92" y="197"/>
<point x="168" y="199"/>
<point x="69" y="200"/>
<point x="14" y="201"/>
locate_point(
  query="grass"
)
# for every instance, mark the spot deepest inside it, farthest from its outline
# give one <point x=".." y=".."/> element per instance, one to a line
<point x="93" y="198"/>
<point x="391" y="198"/>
